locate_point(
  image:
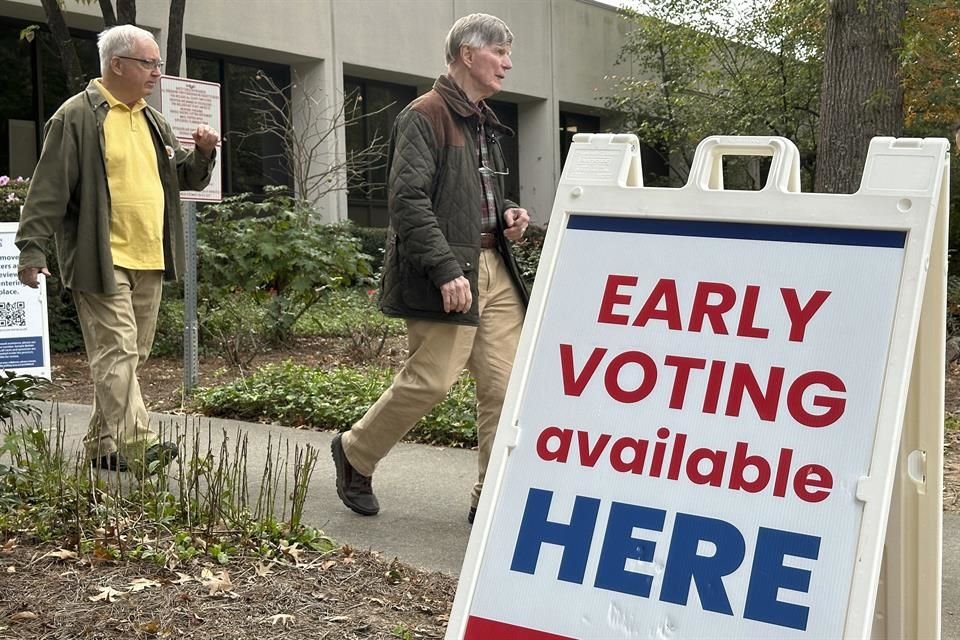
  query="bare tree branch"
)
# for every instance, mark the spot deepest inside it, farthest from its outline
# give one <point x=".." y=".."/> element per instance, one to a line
<point x="308" y="154"/>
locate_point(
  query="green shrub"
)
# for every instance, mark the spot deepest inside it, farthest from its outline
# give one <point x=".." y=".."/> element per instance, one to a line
<point x="527" y="252"/>
<point x="234" y="327"/>
<point x="276" y="251"/>
<point x="297" y="395"/>
<point x="168" y="340"/>
<point x="342" y="314"/>
<point x="373" y="240"/>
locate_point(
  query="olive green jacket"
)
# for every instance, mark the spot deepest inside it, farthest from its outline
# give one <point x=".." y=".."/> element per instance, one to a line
<point x="435" y="205"/>
<point x="69" y="198"/>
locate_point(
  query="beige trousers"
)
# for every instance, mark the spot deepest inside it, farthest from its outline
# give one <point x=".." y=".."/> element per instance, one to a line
<point x="118" y="331"/>
<point x="437" y="353"/>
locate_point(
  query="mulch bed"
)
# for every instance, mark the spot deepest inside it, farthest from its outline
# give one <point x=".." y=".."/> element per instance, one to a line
<point x="49" y="594"/>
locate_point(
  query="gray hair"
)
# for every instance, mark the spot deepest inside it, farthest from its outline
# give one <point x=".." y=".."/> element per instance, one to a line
<point x="119" y="41"/>
<point x="476" y="30"/>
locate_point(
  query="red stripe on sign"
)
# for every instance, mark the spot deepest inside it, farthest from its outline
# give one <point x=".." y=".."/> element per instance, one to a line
<point x="483" y="629"/>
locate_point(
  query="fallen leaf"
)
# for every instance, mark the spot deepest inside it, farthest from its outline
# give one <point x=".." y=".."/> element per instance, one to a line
<point x="11" y="569"/>
<point x="337" y="619"/>
<point x="62" y="554"/>
<point x="292" y="550"/>
<point x="107" y="594"/>
<point x="140" y="584"/>
<point x="263" y="570"/>
<point x="282" y="618"/>
<point x="23" y="616"/>
<point x="326" y="566"/>
<point x="219" y="583"/>
<point x="183" y="578"/>
<point x="8" y="546"/>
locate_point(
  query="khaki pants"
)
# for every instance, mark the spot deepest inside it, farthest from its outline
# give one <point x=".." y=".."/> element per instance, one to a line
<point x="437" y="353"/>
<point x="118" y="331"/>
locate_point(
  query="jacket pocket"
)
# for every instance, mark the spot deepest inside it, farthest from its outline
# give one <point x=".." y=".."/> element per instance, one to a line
<point x="418" y="291"/>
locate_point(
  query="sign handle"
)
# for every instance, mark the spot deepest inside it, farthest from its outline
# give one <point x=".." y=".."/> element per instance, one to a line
<point x="707" y="170"/>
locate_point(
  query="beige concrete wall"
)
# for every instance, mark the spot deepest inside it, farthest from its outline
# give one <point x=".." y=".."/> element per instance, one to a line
<point x="563" y="50"/>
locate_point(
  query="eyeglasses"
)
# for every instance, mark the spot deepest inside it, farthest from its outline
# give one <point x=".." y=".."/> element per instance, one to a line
<point x="148" y="65"/>
<point x="487" y="171"/>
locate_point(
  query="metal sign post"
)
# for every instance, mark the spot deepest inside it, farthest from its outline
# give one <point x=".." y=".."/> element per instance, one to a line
<point x="187" y="103"/>
<point x="191" y="356"/>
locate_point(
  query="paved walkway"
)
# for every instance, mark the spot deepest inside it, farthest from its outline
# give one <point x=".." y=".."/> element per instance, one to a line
<point x="424" y="495"/>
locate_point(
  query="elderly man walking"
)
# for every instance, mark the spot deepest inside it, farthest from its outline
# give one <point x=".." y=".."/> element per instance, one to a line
<point x="449" y="270"/>
<point x="107" y="188"/>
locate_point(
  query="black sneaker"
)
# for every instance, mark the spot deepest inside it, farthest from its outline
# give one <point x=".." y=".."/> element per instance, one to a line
<point x="354" y="488"/>
<point x="472" y="515"/>
<point x="111" y="462"/>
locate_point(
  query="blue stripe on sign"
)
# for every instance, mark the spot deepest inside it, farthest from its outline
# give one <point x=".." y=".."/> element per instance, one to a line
<point x="742" y="231"/>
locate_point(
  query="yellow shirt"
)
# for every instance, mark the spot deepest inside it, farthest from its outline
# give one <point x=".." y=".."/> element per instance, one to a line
<point x="136" y="194"/>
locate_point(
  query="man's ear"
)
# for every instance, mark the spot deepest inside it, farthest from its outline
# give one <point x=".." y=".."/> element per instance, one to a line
<point x="466" y="55"/>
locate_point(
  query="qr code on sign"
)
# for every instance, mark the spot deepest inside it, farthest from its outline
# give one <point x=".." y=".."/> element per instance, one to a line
<point x="13" y="314"/>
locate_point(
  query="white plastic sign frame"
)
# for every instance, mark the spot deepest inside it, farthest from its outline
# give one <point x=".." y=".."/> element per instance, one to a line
<point x="524" y="576"/>
<point x="24" y="329"/>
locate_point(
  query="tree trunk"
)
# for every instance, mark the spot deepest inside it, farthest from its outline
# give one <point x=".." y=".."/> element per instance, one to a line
<point x="127" y="11"/>
<point x="175" y="37"/>
<point x="109" y="17"/>
<point x="65" y="45"/>
<point x="862" y="95"/>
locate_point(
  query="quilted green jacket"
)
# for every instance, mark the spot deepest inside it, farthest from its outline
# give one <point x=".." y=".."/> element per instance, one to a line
<point x="69" y="198"/>
<point x="435" y="205"/>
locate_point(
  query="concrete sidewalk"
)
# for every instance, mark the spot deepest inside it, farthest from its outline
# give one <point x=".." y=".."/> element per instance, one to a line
<point x="424" y="494"/>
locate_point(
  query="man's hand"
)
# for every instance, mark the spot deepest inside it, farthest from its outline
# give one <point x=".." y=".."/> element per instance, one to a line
<point x="515" y="220"/>
<point x="29" y="276"/>
<point x="456" y="295"/>
<point x="206" y="140"/>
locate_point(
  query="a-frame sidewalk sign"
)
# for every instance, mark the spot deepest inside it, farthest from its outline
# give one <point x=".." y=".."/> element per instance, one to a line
<point x="725" y="418"/>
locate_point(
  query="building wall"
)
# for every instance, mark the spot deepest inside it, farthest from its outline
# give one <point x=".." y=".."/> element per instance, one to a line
<point x="562" y="52"/>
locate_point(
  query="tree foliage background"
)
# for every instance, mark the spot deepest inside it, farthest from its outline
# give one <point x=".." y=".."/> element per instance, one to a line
<point x="755" y="67"/>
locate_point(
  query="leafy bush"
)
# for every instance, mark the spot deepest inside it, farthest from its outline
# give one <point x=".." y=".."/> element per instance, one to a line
<point x="276" y="251"/>
<point x="13" y="191"/>
<point x="17" y="393"/>
<point x="294" y="394"/>
<point x="373" y="240"/>
<point x="527" y="252"/>
<point x="168" y="340"/>
<point x="341" y="314"/>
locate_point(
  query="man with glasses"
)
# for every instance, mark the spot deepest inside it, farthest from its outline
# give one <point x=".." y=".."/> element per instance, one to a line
<point x="448" y="269"/>
<point x="107" y="188"/>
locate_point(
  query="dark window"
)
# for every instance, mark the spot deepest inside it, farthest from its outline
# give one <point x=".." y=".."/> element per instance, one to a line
<point x="32" y="87"/>
<point x="251" y="160"/>
<point x="371" y="108"/>
<point x="653" y="161"/>
<point x="572" y="124"/>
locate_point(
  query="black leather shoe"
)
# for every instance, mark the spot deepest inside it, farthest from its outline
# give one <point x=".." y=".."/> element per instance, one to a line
<point x="111" y="462"/>
<point x="161" y="452"/>
<point x="354" y="488"/>
<point x="472" y="515"/>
